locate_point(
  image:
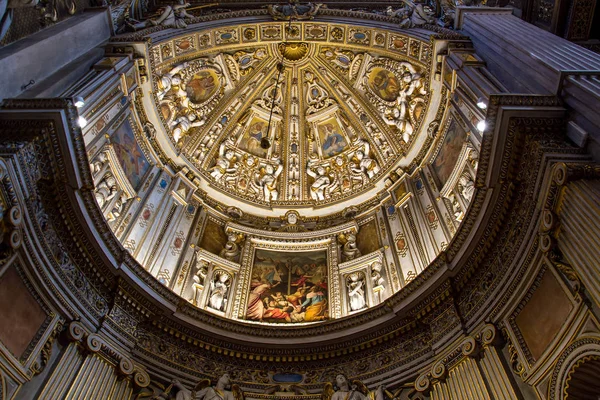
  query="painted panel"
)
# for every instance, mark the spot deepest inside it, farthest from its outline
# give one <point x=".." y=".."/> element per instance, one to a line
<point x="545" y="313"/>
<point x="21" y="313"/>
<point x="288" y="287"/>
<point x="130" y="156"/>
<point x="332" y="140"/>
<point x="448" y="155"/>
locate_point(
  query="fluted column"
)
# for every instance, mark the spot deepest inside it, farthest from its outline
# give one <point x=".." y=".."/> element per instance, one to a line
<point x="63" y="374"/>
<point x="577" y="237"/>
<point x="91" y="369"/>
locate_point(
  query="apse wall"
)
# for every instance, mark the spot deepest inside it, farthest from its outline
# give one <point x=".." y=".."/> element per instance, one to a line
<point x="506" y="309"/>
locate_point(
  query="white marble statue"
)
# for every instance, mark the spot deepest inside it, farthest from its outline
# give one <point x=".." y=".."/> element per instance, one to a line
<point x="171" y="79"/>
<point x="267" y="180"/>
<point x="182" y="124"/>
<point x="224" y="160"/>
<point x="466" y="187"/>
<point x="355" y="391"/>
<point x="321" y="183"/>
<point x="218" y="292"/>
<point x="203" y="390"/>
<point x="356" y="292"/>
<point x="366" y="164"/>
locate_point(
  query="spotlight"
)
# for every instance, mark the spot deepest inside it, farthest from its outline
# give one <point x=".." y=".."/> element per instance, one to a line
<point x="481" y="125"/>
<point x="265" y="143"/>
<point x="481" y="103"/>
<point x="82" y="122"/>
<point x="78" y="102"/>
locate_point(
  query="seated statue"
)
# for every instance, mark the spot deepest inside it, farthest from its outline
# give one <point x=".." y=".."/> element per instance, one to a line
<point x="203" y="390"/>
<point x="346" y="391"/>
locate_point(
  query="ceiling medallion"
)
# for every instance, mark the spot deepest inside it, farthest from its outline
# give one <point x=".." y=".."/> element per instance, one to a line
<point x="293" y="51"/>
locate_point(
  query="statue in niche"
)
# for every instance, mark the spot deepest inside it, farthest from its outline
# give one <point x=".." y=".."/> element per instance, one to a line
<point x="203" y="390"/>
<point x="356" y="292"/>
<point x="199" y="278"/>
<point x="355" y="391"/>
<point x="350" y="250"/>
<point x="106" y="190"/>
<point x="376" y="277"/>
<point x="321" y="183"/>
<point x="218" y="291"/>
<point x="366" y="164"/>
<point x="294" y="11"/>
<point x="466" y="186"/>
<point x="232" y="250"/>
<point x="267" y="180"/>
<point x="224" y="161"/>
<point x="182" y="124"/>
<point x="171" y="79"/>
<point x="99" y="163"/>
<point x="173" y="16"/>
<point x="456" y="209"/>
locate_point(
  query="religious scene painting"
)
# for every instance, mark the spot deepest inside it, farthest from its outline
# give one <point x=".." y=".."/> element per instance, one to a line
<point x="130" y="155"/>
<point x="448" y="155"/>
<point x="255" y="131"/>
<point x="288" y="287"/>
<point x="332" y="139"/>
<point x="202" y="86"/>
<point x="384" y="84"/>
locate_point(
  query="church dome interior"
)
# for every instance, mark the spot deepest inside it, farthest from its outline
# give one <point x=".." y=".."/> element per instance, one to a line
<point x="299" y="201"/>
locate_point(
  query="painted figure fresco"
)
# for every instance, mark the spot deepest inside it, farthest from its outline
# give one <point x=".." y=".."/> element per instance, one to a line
<point x="448" y="156"/>
<point x="202" y="86"/>
<point x="130" y="155"/>
<point x="384" y="84"/>
<point x="288" y="287"/>
<point x="250" y="142"/>
<point x="332" y="142"/>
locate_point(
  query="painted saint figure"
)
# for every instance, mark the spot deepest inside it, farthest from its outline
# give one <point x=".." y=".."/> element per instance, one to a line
<point x="333" y="143"/>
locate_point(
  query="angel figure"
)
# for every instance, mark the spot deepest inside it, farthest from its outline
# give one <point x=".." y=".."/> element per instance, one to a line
<point x="224" y="161"/>
<point x="267" y="180"/>
<point x="203" y="390"/>
<point x="366" y="164"/>
<point x="181" y="125"/>
<point x="169" y="80"/>
<point x="321" y="184"/>
<point x="356" y="391"/>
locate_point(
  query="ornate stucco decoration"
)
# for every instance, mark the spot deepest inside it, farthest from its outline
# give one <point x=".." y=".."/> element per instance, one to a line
<point x="349" y="106"/>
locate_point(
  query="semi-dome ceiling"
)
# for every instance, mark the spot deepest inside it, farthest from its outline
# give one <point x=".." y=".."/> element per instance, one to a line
<point x="348" y="106"/>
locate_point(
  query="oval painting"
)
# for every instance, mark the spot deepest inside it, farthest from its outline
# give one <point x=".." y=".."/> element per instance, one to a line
<point x="202" y="86"/>
<point x="384" y="84"/>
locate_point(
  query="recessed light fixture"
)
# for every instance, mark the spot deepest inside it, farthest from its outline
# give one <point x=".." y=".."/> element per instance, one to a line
<point x="78" y="102"/>
<point x="82" y="122"/>
<point x="482" y="103"/>
<point x="481" y="125"/>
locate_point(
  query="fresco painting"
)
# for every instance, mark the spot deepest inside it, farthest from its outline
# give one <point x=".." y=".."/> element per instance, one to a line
<point x="202" y="86"/>
<point x="384" y="84"/>
<point x="255" y="131"/>
<point x="448" y="155"/>
<point x="332" y="139"/>
<point x="130" y="155"/>
<point x="288" y="287"/>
